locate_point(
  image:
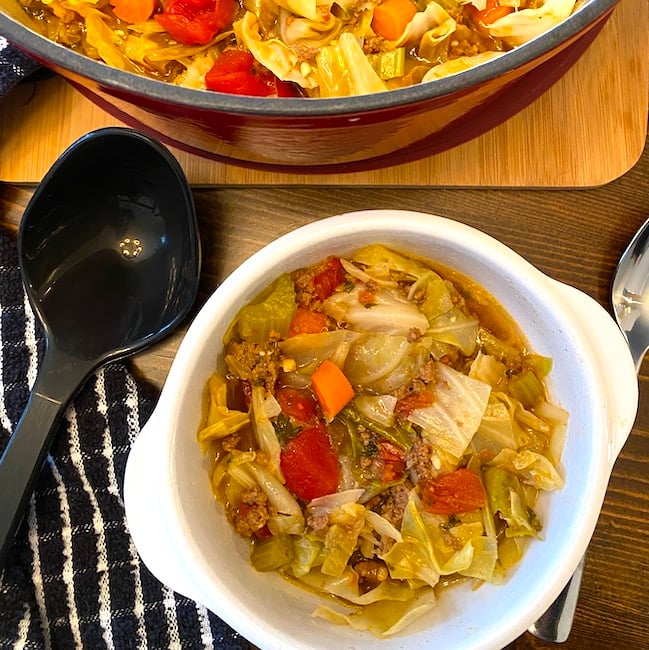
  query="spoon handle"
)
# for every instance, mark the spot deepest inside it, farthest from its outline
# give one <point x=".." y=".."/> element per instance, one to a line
<point x="28" y="447"/>
<point x="555" y="624"/>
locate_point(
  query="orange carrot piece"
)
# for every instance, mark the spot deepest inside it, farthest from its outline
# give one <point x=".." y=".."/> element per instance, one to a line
<point x="331" y="387"/>
<point x="133" y="11"/>
<point x="391" y="17"/>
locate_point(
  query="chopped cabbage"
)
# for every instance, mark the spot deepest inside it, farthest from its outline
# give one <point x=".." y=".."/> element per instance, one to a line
<point x="289" y="517"/>
<point x="507" y="498"/>
<point x="310" y="350"/>
<point x="346" y="523"/>
<point x="221" y="421"/>
<point x="343" y="69"/>
<point x="532" y="468"/>
<point x="383" y="363"/>
<point x="384" y="263"/>
<point x="388" y="311"/>
<point x="521" y="26"/>
<point x="273" y="54"/>
<point x="263" y="408"/>
<point x="383" y="618"/>
<point x="456" y="328"/>
<point x="462" y="63"/>
<point x="379" y="408"/>
<point x="450" y="422"/>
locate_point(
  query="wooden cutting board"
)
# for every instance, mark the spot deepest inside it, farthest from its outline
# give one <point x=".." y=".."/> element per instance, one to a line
<point x="587" y="130"/>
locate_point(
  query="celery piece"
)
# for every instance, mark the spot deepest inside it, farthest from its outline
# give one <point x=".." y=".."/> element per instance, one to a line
<point x="273" y="314"/>
<point x="272" y="553"/>
<point x="400" y="434"/>
<point x="526" y="388"/>
<point x="389" y="65"/>
<point x="504" y="352"/>
<point x="540" y="365"/>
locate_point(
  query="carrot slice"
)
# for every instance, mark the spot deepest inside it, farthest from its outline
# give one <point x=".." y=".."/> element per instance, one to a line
<point x="391" y="17"/>
<point x="331" y="387"/>
<point x="133" y="11"/>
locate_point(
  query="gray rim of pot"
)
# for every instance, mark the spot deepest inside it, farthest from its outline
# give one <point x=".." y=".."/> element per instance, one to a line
<point x="112" y="78"/>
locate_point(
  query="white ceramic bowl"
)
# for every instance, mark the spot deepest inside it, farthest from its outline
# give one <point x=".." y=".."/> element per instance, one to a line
<point x="181" y="532"/>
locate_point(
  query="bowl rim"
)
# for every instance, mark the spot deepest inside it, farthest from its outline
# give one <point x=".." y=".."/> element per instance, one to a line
<point x="112" y="79"/>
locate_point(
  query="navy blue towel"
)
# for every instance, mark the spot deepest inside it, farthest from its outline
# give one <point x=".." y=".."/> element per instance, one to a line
<point x="73" y="579"/>
<point x="14" y="66"/>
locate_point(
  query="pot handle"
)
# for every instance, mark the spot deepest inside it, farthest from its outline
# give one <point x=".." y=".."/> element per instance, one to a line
<point x="616" y="366"/>
<point x="145" y="507"/>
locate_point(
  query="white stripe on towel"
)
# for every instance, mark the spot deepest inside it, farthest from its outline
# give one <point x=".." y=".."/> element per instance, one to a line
<point x="105" y="618"/>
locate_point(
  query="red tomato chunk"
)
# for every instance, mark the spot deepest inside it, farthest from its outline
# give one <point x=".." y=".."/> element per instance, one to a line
<point x="452" y="493"/>
<point x="310" y="464"/>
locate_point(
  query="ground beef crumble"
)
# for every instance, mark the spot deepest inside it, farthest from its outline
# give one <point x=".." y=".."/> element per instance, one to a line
<point x="419" y="459"/>
<point x="393" y="502"/>
<point x="258" y="364"/>
<point x="252" y="514"/>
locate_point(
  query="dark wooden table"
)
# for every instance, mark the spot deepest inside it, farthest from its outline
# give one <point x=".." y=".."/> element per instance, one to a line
<point x="575" y="236"/>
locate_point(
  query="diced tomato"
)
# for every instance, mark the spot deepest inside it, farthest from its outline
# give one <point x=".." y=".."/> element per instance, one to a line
<point x="366" y="298"/>
<point x="452" y="493"/>
<point x="394" y="464"/>
<point x="196" y="22"/>
<point x="307" y="321"/>
<point x="298" y="404"/>
<point x="310" y="464"/>
<point x="406" y="405"/>
<point x="237" y="72"/>
<point x="328" y="278"/>
<point x="489" y="15"/>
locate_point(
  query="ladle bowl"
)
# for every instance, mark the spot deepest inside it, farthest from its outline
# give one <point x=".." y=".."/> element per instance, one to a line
<point x="110" y="256"/>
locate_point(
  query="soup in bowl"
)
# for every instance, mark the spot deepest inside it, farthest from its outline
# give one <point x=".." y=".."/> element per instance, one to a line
<point x="184" y="536"/>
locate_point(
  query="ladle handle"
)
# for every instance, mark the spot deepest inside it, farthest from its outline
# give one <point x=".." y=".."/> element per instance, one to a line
<point x="23" y="458"/>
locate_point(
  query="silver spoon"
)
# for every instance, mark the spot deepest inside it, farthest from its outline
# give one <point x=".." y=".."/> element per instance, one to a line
<point x="109" y="256"/>
<point x="630" y="302"/>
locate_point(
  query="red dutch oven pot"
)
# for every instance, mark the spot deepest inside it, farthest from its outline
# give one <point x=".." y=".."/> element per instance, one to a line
<point x="334" y="135"/>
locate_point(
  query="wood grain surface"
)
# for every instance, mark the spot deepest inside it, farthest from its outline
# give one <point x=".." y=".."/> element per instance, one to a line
<point x="575" y="236"/>
<point x="587" y="130"/>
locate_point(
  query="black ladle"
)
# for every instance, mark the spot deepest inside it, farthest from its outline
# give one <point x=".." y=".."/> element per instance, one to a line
<point x="110" y="258"/>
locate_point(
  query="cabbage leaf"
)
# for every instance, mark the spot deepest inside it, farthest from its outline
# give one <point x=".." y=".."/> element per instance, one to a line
<point x="383" y="618"/>
<point x="531" y="467"/>
<point x="382" y="263"/>
<point x="460" y="64"/>
<point x="507" y="498"/>
<point x="343" y="69"/>
<point x="221" y="421"/>
<point x="456" y="328"/>
<point x="522" y="26"/>
<point x="262" y="409"/>
<point x="389" y="312"/>
<point x="272" y="53"/>
<point x="345" y="525"/>
<point x="451" y="421"/>
<point x="383" y="363"/>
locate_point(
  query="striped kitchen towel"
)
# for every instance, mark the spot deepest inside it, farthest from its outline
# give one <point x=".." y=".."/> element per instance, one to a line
<point x="73" y="578"/>
<point x="15" y="66"/>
